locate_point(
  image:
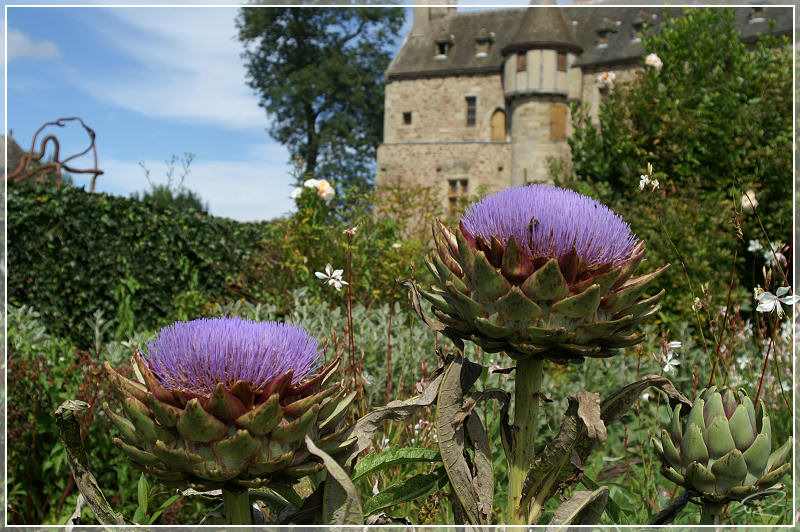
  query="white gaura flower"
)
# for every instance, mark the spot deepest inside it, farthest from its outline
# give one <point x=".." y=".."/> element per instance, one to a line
<point x="296" y="193"/>
<point x="324" y="190"/>
<point x="772" y="256"/>
<point x="753" y="245"/>
<point x="653" y="61"/>
<point x="645" y="181"/>
<point x="697" y="305"/>
<point x="311" y="183"/>
<point x="767" y="301"/>
<point x="671" y="362"/>
<point x="332" y="277"/>
<point x="749" y="201"/>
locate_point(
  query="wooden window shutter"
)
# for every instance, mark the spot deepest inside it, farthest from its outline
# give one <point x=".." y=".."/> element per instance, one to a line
<point x="562" y="62"/>
<point x="558" y="122"/>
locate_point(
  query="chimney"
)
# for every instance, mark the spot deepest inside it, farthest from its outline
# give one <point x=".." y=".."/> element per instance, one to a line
<point x="424" y="15"/>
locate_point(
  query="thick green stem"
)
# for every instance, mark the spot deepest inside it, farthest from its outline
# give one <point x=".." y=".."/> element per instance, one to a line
<point x="237" y="506"/>
<point x="710" y="513"/>
<point x="526" y="414"/>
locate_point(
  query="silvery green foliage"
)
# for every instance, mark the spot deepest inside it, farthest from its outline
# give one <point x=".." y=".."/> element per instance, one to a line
<point x="26" y="330"/>
<point x="117" y="353"/>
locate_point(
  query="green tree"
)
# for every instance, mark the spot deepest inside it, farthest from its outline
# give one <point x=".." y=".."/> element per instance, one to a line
<point x="319" y="75"/>
<point x="715" y="121"/>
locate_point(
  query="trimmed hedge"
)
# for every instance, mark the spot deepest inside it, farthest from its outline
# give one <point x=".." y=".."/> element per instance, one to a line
<point x="71" y="253"/>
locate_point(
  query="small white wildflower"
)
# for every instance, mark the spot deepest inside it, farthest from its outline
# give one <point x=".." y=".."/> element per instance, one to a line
<point x="697" y="305"/>
<point x="396" y="245"/>
<point x="753" y="245"/>
<point x="653" y="61"/>
<point x="767" y="301"/>
<point x="332" y="277"/>
<point x="749" y="201"/>
<point x="646" y="396"/>
<point x="375" y="489"/>
<point x="772" y="256"/>
<point x="674" y="345"/>
<point x="311" y="183"/>
<point x="296" y="193"/>
<point x="351" y="231"/>
<point x="671" y="362"/>
<point x="646" y="182"/>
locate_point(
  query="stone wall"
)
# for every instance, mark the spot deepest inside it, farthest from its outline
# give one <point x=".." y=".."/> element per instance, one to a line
<point x="530" y="138"/>
<point x="438" y="108"/>
<point x="436" y="164"/>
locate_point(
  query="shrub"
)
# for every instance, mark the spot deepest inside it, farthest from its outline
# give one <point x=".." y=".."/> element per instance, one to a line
<point x="714" y="122"/>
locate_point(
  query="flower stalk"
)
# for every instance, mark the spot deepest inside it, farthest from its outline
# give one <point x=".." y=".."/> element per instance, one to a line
<point x="237" y="506"/>
<point x="711" y="513"/>
<point x="526" y="416"/>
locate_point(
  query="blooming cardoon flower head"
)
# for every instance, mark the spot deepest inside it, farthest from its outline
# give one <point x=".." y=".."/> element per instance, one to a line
<point x="549" y="222"/>
<point x="541" y="271"/>
<point x="195" y="356"/>
<point x="229" y="401"/>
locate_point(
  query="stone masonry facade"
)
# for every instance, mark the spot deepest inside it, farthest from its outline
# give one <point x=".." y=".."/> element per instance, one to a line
<point x="478" y="101"/>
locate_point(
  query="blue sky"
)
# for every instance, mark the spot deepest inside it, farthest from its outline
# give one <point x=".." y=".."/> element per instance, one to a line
<point x="151" y="82"/>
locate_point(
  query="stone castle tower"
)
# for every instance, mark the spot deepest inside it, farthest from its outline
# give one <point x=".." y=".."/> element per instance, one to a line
<point x="537" y="75"/>
<point x="479" y="99"/>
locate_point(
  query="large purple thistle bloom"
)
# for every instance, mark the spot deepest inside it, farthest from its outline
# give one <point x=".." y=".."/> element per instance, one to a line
<point x="547" y="221"/>
<point x="197" y="355"/>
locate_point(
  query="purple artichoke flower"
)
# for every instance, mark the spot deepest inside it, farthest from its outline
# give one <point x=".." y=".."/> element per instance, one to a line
<point x="541" y="271"/>
<point x="195" y="356"/>
<point x="228" y="402"/>
<point x="548" y="222"/>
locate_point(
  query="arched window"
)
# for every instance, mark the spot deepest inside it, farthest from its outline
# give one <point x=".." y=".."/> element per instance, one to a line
<point x="498" y="124"/>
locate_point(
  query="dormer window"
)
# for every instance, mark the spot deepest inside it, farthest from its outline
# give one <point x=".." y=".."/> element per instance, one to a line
<point x="482" y="47"/>
<point x="757" y="15"/>
<point x="443" y="46"/>
<point x="602" y="37"/>
<point x="638" y="30"/>
<point x="483" y="42"/>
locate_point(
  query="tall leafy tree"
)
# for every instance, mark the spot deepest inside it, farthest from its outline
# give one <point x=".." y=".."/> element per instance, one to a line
<point x="319" y="74"/>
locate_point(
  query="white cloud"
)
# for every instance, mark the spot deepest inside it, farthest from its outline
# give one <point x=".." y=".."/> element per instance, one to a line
<point x="245" y="191"/>
<point x="176" y="63"/>
<point x="20" y="46"/>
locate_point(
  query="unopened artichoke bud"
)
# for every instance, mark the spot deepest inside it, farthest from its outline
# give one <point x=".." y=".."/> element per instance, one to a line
<point x="722" y="450"/>
<point x="228" y="400"/>
<point x="540" y="271"/>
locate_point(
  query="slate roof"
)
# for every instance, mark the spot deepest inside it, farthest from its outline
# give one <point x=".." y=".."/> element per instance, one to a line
<point x="507" y="28"/>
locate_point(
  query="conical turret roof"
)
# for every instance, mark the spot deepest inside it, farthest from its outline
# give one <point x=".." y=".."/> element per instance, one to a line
<point x="543" y="27"/>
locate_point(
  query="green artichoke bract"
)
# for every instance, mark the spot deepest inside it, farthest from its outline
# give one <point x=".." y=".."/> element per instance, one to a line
<point x="226" y="401"/>
<point x="539" y="271"/>
<point x="722" y="451"/>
